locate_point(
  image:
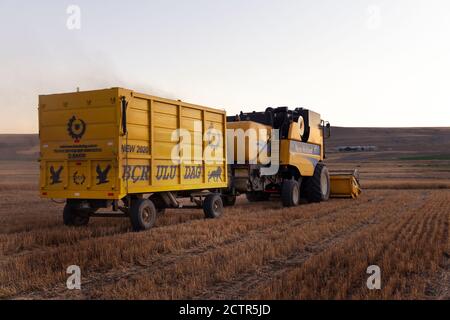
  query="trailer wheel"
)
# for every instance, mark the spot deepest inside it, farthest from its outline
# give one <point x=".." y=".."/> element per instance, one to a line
<point x="142" y="214"/>
<point x="290" y="193"/>
<point x="317" y="187"/>
<point x="213" y="206"/>
<point x="74" y="217"/>
<point x="228" y="200"/>
<point x="257" y="196"/>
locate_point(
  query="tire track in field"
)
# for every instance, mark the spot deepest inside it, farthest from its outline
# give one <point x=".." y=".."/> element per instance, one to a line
<point x="438" y="285"/>
<point x="92" y="235"/>
<point x="244" y="284"/>
<point x="422" y="228"/>
<point x="417" y="237"/>
<point x="252" y="239"/>
<point x="260" y="235"/>
<point x="396" y="232"/>
<point x="15" y="243"/>
<point x="241" y="286"/>
<point x="166" y="260"/>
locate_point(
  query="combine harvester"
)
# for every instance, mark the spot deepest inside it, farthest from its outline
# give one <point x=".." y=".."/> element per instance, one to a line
<point x="114" y="149"/>
<point x="301" y="172"/>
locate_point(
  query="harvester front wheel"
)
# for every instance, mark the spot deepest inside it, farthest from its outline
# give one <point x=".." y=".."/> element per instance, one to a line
<point x="213" y="206"/>
<point x="142" y="214"/>
<point x="74" y="217"/>
<point x="317" y="187"/>
<point x="290" y="193"/>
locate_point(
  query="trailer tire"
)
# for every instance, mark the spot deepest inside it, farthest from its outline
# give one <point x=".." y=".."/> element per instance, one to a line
<point x="257" y="196"/>
<point x="317" y="187"/>
<point x="290" y="193"/>
<point x="142" y="214"/>
<point x="213" y="206"/>
<point x="74" y="217"/>
<point x="228" y="200"/>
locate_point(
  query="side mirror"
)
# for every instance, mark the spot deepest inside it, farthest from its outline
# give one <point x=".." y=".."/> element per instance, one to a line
<point x="327" y="130"/>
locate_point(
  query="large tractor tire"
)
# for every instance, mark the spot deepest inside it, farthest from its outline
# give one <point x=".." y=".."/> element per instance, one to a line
<point x="142" y="214"/>
<point x="290" y="193"/>
<point x="257" y="196"/>
<point x="74" y="217"/>
<point x="317" y="188"/>
<point x="213" y="206"/>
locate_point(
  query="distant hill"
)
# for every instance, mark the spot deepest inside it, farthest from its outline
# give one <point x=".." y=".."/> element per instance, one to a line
<point x="392" y="143"/>
<point x="389" y="143"/>
<point x="19" y="146"/>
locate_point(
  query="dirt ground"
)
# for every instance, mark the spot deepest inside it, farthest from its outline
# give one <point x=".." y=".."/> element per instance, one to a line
<point x="255" y="251"/>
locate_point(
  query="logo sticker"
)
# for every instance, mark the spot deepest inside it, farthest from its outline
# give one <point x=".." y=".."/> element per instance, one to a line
<point x="102" y="175"/>
<point x="55" y="175"/>
<point x="78" y="179"/>
<point x="215" y="175"/>
<point x="76" y="128"/>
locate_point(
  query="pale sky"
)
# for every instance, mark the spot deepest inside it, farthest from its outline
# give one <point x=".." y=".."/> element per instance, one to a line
<point x="358" y="63"/>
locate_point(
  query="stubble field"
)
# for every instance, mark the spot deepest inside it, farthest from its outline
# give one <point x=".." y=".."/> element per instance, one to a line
<point x="255" y="251"/>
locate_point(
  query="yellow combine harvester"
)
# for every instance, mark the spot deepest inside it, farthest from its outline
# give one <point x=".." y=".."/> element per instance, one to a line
<point x="119" y="149"/>
<point x="301" y="172"/>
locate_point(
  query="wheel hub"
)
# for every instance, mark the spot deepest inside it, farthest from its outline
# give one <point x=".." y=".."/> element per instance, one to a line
<point x="324" y="183"/>
<point x="146" y="215"/>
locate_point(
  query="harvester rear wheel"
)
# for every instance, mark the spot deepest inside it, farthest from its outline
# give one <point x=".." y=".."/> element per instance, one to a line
<point x="317" y="187"/>
<point x="72" y="216"/>
<point x="142" y="214"/>
<point x="290" y="193"/>
<point x="213" y="206"/>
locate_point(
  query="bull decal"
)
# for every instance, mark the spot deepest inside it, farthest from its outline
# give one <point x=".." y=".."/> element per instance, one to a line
<point x="215" y="175"/>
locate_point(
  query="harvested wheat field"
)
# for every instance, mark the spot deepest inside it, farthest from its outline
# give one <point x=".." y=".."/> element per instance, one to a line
<point x="255" y="251"/>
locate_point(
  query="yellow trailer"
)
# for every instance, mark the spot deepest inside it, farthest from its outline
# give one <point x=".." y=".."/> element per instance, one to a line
<point x="130" y="151"/>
